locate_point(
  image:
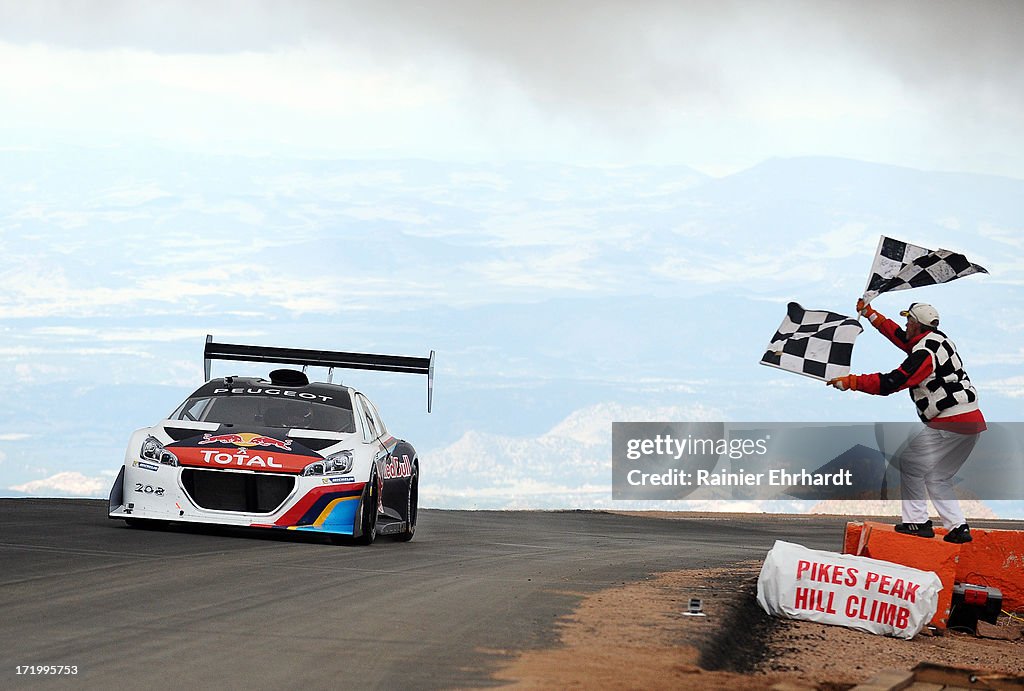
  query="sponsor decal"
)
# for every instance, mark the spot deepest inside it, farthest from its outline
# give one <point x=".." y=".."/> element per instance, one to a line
<point x="243" y="450"/>
<point x="339" y="480"/>
<point x="396" y="467"/>
<point x="315" y="504"/>
<point x="238" y="459"/>
<point x="146" y="466"/>
<point x="149" y="489"/>
<point x="246" y="440"/>
<point x="259" y="390"/>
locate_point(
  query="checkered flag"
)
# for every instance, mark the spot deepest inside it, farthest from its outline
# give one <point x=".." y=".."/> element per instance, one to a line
<point x="814" y="343"/>
<point x="901" y="266"/>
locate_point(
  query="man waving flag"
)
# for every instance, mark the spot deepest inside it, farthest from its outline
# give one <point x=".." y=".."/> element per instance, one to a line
<point x="947" y="404"/>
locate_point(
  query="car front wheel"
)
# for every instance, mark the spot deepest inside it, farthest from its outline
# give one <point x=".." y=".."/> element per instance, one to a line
<point x="368" y="511"/>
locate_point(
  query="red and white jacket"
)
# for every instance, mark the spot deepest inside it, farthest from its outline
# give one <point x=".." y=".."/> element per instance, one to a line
<point x="934" y="375"/>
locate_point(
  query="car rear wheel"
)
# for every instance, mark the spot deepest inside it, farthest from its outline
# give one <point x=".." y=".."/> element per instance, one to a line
<point x="411" y="507"/>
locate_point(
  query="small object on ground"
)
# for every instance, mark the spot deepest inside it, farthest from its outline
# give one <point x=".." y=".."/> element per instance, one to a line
<point x="887" y="680"/>
<point x="972" y="604"/>
<point x="696" y="608"/>
<point x="919" y="529"/>
<point x="791" y="686"/>
<point x="930" y="675"/>
<point x="997" y="632"/>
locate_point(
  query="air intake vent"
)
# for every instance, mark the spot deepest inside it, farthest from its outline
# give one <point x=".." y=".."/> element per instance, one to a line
<point x="179" y="433"/>
<point x="316" y="444"/>
<point x="288" y="377"/>
<point x="221" y="490"/>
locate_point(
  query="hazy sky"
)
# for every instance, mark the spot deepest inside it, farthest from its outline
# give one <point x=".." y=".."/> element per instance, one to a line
<point x="717" y="85"/>
<point x="134" y="242"/>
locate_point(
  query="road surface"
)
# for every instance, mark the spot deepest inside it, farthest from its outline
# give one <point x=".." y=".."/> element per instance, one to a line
<point x="196" y="607"/>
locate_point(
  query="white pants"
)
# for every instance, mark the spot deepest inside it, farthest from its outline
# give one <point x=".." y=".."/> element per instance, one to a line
<point x="927" y="464"/>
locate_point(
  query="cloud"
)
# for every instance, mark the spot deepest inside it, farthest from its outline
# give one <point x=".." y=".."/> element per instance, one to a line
<point x="725" y="83"/>
<point x="1012" y="387"/>
<point x="1008" y="236"/>
<point x="168" y="27"/>
<point x="26" y="373"/>
<point x="26" y="293"/>
<point x="297" y="98"/>
<point x="935" y="46"/>
<point x="564" y="271"/>
<point x="658" y="57"/>
<point x="1008" y="357"/>
<point x="68" y="483"/>
<point x="49" y="334"/>
<point x="578" y="50"/>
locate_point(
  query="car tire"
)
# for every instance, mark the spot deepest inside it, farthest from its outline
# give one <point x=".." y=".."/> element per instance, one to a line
<point x="368" y="511"/>
<point x="411" y="507"/>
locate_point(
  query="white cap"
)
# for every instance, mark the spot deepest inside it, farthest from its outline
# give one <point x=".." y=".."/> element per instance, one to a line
<point x="923" y="313"/>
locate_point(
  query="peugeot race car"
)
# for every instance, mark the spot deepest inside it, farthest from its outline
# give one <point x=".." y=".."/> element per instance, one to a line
<point x="278" y="453"/>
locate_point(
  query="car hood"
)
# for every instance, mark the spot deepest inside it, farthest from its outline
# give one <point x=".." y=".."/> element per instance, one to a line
<point x="271" y="450"/>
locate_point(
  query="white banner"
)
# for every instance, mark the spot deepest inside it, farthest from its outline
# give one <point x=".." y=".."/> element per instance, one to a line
<point x="858" y="592"/>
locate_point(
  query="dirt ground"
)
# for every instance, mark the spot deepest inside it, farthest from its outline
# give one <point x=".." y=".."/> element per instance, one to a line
<point x="637" y="636"/>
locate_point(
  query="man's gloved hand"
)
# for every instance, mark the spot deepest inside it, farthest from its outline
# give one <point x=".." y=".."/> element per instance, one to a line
<point x="849" y="382"/>
<point x="868" y="311"/>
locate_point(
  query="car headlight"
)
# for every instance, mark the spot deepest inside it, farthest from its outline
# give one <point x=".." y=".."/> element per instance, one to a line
<point x="340" y="462"/>
<point x="153" y="450"/>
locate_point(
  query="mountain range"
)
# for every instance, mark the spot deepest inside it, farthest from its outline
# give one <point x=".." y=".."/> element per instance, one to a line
<point x="555" y="296"/>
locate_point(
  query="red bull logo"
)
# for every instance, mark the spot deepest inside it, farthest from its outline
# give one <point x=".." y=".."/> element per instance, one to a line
<point x="246" y="439"/>
<point x="397" y="467"/>
<point x="222" y="439"/>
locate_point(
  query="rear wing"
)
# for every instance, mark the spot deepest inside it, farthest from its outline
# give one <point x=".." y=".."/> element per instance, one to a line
<point x="321" y="358"/>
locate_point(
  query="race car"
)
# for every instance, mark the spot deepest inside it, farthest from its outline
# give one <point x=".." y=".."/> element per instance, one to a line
<point x="277" y="453"/>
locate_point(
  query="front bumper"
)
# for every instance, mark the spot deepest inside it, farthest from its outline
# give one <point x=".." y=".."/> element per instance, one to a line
<point x="237" y="498"/>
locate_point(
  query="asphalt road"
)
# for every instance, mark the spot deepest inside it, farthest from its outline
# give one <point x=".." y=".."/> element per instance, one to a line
<point x="192" y="607"/>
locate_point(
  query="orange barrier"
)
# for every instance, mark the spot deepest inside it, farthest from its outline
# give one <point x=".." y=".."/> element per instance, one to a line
<point x="995" y="558"/>
<point x="851" y="538"/>
<point x="881" y="541"/>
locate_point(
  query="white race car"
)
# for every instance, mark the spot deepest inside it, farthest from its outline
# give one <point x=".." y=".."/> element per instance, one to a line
<point x="277" y="453"/>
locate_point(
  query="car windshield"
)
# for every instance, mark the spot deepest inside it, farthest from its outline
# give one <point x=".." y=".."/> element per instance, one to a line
<point x="261" y="411"/>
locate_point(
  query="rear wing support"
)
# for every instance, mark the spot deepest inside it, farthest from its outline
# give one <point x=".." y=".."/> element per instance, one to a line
<point x="321" y="358"/>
